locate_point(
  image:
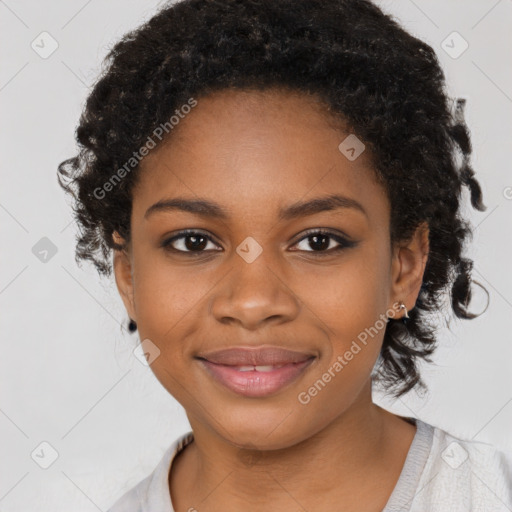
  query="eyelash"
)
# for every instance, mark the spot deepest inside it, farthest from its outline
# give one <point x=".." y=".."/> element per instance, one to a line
<point x="343" y="242"/>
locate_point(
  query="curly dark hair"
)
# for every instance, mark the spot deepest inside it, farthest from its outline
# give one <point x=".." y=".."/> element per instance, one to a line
<point x="385" y="84"/>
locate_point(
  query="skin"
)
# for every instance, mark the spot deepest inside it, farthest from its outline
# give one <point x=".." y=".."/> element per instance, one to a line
<point x="254" y="153"/>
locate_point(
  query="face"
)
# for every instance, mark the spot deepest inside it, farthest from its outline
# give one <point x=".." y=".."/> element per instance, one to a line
<point x="268" y="262"/>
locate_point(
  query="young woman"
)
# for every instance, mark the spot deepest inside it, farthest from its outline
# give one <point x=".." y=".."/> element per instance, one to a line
<point x="280" y="185"/>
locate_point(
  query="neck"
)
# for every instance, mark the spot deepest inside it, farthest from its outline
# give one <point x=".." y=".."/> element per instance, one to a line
<point x="344" y="461"/>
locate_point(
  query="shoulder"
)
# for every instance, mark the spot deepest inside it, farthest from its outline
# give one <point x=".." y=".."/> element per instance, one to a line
<point x="152" y="493"/>
<point x="464" y="474"/>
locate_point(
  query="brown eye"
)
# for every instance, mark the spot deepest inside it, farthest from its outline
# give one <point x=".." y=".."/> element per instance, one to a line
<point x="320" y="241"/>
<point x="195" y="242"/>
<point x="189" y="241"/>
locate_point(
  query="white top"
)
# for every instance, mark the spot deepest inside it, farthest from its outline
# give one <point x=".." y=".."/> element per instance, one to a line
<point x="441" y="474"/>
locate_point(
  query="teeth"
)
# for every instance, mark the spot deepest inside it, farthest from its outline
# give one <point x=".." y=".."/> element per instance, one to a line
<point x="245" y="368"/>
<point x="266" y="368"/>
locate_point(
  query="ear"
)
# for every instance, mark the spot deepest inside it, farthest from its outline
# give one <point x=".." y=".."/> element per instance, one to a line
<point x="123" y="272"/>
<point x="408" y="267"/>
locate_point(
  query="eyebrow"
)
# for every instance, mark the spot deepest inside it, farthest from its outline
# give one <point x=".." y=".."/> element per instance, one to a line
<point x="206" y="208"/>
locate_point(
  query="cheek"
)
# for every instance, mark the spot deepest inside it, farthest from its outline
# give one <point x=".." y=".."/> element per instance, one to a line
<point x="170" y="304"/>
<point x="350" y="296"/>
<point x="351" y="301"/>
<point x="170" y="300"/>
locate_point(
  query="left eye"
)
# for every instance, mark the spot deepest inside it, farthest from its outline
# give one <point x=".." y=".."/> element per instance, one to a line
<point x="323" y="241"/>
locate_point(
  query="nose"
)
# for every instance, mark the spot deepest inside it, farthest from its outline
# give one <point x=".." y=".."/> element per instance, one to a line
<point x="252" y="295"/>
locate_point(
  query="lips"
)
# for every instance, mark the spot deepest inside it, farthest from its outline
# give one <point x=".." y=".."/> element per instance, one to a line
<point x="256" y="357"/>
<point x="255" y="372"/>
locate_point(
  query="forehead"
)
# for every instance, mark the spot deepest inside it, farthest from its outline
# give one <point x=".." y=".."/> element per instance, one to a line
<point x="256" y="151"/>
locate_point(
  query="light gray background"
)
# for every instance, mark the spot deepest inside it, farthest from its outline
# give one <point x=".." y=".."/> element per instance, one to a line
<point x="68" y="375"/>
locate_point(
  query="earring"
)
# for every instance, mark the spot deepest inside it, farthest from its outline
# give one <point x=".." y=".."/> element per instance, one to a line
<point x="406" y="315"/>
<point x="132" y="326"/>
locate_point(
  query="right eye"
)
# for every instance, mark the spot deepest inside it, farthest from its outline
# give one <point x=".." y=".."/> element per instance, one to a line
<point x="189" y="241"/>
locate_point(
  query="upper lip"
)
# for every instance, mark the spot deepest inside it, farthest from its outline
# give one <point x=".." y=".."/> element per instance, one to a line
<point x="261" y="356"/>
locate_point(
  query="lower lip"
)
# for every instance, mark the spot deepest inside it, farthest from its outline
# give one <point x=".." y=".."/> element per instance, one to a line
<point x="253" y="383"/>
